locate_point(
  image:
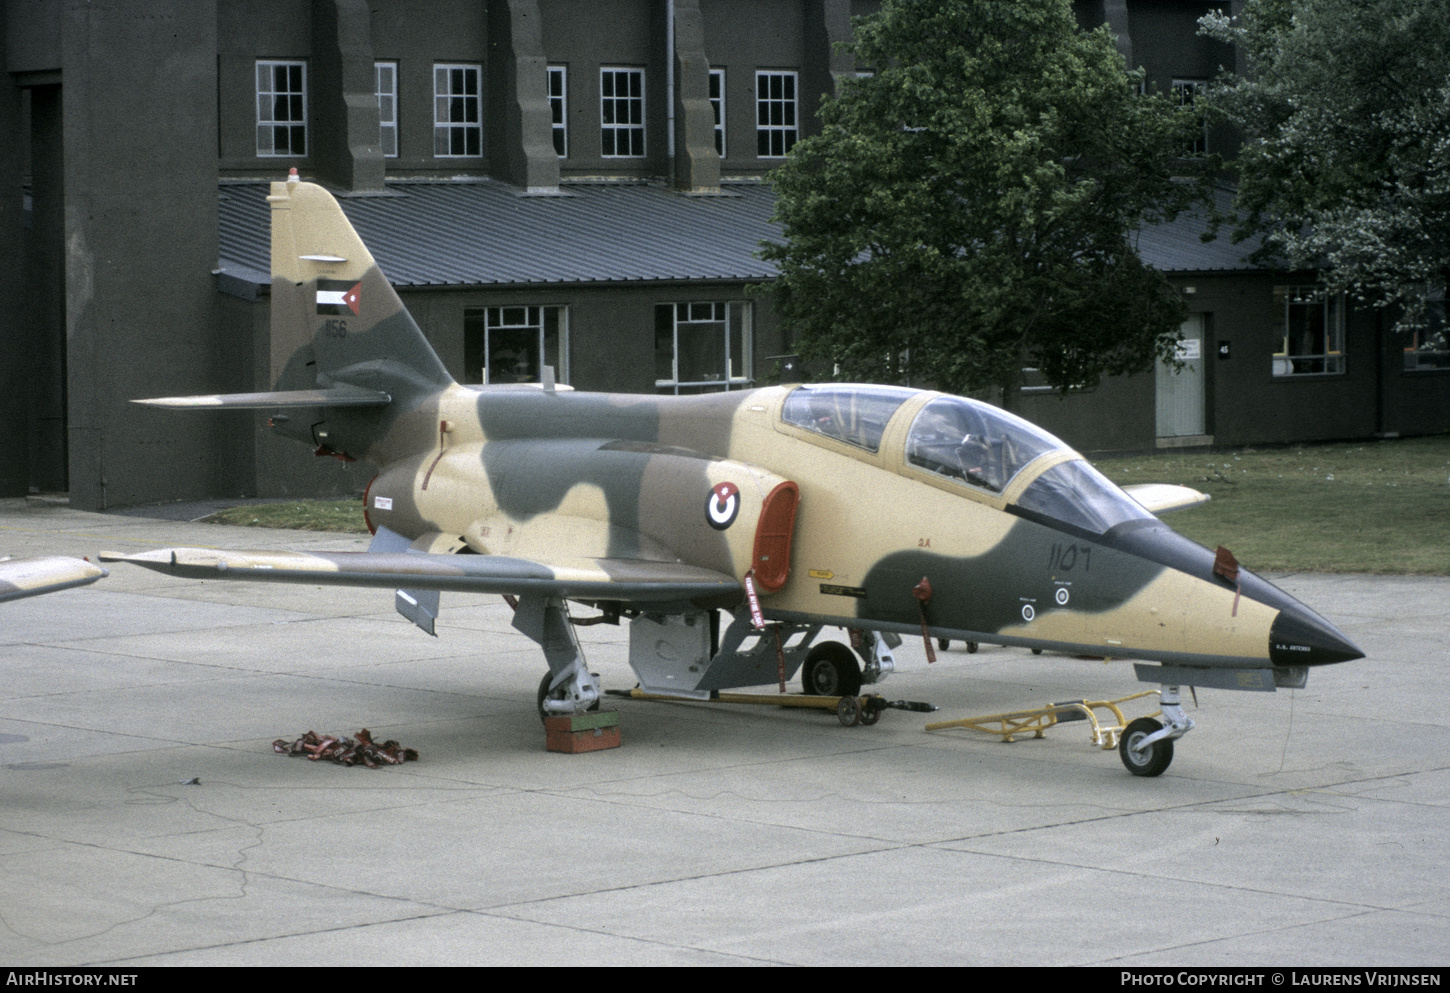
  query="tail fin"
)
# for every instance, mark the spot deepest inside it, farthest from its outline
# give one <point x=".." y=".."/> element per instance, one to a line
<point x="347" y="357"/>
<point x="333" y="310"/>
<point x="337" y="323"/>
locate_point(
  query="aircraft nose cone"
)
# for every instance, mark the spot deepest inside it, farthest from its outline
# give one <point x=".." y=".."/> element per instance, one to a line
<point x="1303" y="638"/>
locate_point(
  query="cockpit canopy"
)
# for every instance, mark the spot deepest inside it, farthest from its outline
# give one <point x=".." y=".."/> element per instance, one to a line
<point x="972" y="443"/>
<point x="854" y="414"/>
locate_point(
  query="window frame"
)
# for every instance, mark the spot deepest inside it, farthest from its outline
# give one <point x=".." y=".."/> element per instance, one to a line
<point x="266" y="117"/>
<point x="444" y="130"/>
<point x="387" y="113"/>
<point x="766" y="105"/>
<point x="1185" y="94"/>
<point x="1429" y="347"/>
<point x="558" y="107"/>
<point x="1289" y="364"/>
<point x="610" y="103"/>
<point x="716" y="90"/>
<point x="496" y="317"/>
<point x="733" y="315"/>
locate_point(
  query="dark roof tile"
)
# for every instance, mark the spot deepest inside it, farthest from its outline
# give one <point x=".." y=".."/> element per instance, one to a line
<point x="426" y="233"/>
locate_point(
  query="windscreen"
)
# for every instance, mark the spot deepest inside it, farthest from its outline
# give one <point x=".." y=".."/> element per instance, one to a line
<point x="974" y="442"/>
<point x="856" y="415"/>
<point x="1077" y="494"/>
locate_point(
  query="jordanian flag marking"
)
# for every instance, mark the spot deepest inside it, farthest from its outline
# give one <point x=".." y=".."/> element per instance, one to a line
<point x="336" y="296"/>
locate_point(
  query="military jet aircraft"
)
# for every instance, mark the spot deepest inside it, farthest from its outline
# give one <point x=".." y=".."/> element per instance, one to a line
<point x="31" y="577"/>
<point x="790" y="509"/>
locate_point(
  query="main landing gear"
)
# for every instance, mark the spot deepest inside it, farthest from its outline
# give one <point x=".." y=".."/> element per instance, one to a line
<point x="943" y="644"/>
<point x="831" y="669"/>
<point x="568" y="687"/>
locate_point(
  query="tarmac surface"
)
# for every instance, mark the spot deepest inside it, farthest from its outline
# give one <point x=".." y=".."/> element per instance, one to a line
<point x="1304" y="827"/>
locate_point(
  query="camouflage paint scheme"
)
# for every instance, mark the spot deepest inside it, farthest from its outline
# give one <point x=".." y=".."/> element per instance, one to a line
<point x="21" y="578"/>
<point x="665" y="504"/>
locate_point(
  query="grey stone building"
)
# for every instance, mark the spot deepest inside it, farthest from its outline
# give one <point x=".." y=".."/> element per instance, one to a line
<point x="574" y="183"/>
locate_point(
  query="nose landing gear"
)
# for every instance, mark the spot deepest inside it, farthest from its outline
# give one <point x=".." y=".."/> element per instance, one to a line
<point x="1146" y="746"/>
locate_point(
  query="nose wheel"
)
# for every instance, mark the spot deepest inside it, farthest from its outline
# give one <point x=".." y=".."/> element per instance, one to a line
<point x="1144" y="759"/>
<point x="1146" y="745"/>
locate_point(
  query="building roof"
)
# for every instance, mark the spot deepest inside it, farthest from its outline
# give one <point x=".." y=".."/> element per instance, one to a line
<point x="1177" y="247"/>
<point x="487" y="233"/>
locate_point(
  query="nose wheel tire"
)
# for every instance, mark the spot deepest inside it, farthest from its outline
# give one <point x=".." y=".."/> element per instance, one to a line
<point x="831" y="669"/>
<point x="1150" y="761"/>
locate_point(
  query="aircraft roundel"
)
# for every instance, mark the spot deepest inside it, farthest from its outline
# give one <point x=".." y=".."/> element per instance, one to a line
<point x="722" y="505"/>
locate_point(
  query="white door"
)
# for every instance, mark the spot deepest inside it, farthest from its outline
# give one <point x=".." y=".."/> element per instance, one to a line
<point x="1180" y="393"/>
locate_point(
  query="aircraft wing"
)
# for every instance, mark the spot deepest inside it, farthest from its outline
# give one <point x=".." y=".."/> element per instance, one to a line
<point x="335" y="396"/>
<point x="1161" y="498"/>
<point x="628" y="580"/>
<point x="32" y="577"/>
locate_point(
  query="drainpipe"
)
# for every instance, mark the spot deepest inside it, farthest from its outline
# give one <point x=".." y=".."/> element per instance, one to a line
<point x="670" y="86"/>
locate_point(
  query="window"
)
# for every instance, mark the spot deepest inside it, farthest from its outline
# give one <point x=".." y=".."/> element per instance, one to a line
<point x="1429" y="346"/>
<point x="1313" y="323"/>
<point x="457" y="116"/>
<point x="621" y="112"/>
<point x="1186" y="93"/>
<point x="775" y="115"/>
<point x="513" y="344"/>
<point x="717" y="103"/>
<point x="281" y="108"/>
<point x="559" y="109"/>
<point x="702" y="347"/>
<point x="387" y="89"/>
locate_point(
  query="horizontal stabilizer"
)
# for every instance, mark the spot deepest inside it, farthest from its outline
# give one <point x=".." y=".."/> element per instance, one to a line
<point x="32" y="577"/>
<point x="337" y="396"/>
<point x="1161" y="498"/>
<point x="628" y="580"/>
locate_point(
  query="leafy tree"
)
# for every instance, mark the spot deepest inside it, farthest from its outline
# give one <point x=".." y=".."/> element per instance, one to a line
<point x="1345" y="109"/>
<point x="968" y="209"/>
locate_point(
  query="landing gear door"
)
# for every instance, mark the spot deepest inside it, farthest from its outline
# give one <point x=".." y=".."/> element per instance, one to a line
<point x="670" y="652"/>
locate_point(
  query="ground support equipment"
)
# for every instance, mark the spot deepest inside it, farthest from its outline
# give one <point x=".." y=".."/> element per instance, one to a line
<point x="850" y="710"/>
<point x="575" y="733"/>
<point x="1104" y="736"/>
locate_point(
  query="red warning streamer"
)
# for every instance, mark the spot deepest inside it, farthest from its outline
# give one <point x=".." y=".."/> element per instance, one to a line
<point x="922" y="592"/>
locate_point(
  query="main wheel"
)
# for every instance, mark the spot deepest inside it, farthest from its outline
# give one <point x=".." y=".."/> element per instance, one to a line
<point x="971" y="648"/>
<point x="544" y="691"/>
<point x="1150" y="761"/>
<point x="943" y="643"/>
<point x="831" y="669"/>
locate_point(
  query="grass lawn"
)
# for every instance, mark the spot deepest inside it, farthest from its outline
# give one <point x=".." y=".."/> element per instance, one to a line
<point x="1370" y="506"/>
<point x="300" y="515"/>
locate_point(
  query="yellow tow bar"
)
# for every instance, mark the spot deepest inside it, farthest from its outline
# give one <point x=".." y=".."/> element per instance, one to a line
<point x="1037" y="721"/>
